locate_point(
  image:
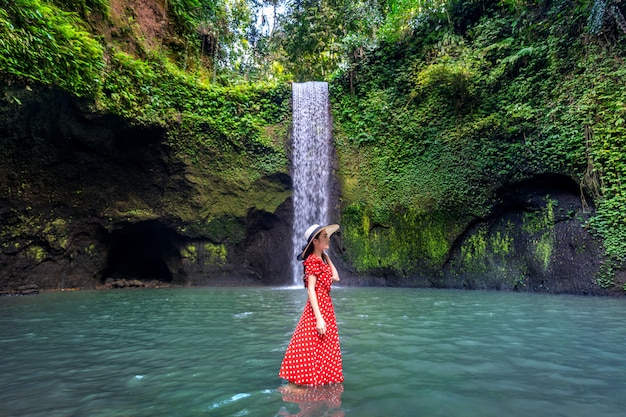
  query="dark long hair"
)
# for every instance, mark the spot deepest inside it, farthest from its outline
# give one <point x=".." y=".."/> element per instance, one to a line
<point x="307" y="253"/>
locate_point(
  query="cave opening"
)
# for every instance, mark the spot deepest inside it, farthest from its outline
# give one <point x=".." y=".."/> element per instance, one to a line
<point x="143" y="251"/>
<point x="530" y="194"/>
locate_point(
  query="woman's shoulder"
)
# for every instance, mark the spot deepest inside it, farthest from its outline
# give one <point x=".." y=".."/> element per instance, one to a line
<point x="313" y="259"/>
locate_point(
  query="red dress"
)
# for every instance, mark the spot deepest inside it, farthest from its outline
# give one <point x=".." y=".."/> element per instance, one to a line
<point x="312" y="359"/>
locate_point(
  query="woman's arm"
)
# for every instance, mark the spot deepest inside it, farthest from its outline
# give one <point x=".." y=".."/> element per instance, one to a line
<point x="320" y="323"/>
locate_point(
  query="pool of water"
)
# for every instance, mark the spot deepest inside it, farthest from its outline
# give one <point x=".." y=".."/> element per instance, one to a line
<point x="216" y="352"/>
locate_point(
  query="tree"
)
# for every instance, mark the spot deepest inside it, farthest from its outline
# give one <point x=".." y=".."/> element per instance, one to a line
<point x="604" y="13"/>
<point x="317" y="36"/>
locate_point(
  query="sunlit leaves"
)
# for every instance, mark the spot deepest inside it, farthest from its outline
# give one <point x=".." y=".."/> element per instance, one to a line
<point x="41" y="42"/>
<point x="442" y="119"/>
<point x="319" y="36"/>
<point x="403" y="16"/>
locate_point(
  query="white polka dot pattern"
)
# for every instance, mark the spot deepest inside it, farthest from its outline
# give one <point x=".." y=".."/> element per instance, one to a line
<point x="312" y="359"/>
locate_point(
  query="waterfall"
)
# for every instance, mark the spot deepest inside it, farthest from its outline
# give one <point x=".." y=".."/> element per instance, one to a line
<point x="311" y="162"/>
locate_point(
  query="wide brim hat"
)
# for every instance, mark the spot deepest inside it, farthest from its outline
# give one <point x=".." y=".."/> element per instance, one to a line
<point x="313" y="231"/>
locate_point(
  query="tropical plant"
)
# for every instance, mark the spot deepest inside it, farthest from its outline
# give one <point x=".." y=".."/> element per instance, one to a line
<point x="41" y="42"/>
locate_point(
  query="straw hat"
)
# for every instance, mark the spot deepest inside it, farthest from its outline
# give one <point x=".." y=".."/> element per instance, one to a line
<point x="312" y="231"/>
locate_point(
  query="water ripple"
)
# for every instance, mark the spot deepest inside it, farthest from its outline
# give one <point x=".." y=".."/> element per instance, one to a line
<point x="216" y="352"/>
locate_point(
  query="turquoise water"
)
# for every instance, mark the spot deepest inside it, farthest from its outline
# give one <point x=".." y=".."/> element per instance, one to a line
<point x="216" y="352"/>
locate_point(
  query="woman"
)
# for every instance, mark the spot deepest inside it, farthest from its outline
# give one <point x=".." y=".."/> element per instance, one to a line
<point x="313" y="356"/>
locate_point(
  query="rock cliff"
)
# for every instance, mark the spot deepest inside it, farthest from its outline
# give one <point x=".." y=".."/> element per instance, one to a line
<point x="88" y="196"/>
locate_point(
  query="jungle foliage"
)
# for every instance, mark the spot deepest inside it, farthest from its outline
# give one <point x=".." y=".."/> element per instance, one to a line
<point x="436" y="102"/>
<point x="39" y="41"/>
<point x="473" y="95"/>
<point x="239" y="126"/>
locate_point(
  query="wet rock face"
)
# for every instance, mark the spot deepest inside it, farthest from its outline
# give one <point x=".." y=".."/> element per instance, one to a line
<point x="534" y="240"/>
<point x="111" y="283"/>
<point x="85" y="197"/>
<point x="87" y="200"/>
<point x="28" y="289"/>
<point x="267" y="247"/>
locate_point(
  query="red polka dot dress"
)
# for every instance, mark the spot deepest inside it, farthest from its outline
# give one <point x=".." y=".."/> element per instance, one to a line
<point x="312" y="359"/>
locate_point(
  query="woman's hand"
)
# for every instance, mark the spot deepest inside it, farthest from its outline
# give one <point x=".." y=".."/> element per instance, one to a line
<point x="321" y="326"/>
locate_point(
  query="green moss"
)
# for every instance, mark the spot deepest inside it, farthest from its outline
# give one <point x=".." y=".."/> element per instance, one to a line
<point x="189" y="252"/>
<point x="409" y="242"/>
<point x="218" y="229"/>
<point x="543" y="250"/>
<point x="216" y="255"/>
<point x="474" y="251"/>
<point x="540" y="225"/>
<point x="35" y="227"/>
<point x="137" y="214"/>
<point x="36" y="253"/>
<point x="488" y="258"/>
<point x="502" y="242"/>
<point x="56" y="233"/>
<point x="90" y="250"/>
<point x="209" y="254"/>
<point x="484" y="251"/>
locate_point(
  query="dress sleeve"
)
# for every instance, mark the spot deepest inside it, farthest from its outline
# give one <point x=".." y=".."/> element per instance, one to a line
<point x="312" y="266"/>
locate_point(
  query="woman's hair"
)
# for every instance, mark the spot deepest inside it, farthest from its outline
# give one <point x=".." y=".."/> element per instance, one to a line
<point x="308" y="252"/>
<point x="310" y="249"/>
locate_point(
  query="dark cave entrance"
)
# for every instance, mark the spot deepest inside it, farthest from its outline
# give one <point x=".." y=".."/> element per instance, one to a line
<point x="144" y="251"/>
<point x="530" y="194"/>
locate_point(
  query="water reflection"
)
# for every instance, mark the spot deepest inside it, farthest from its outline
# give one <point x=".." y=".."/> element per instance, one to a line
<point x="322" y="401"/>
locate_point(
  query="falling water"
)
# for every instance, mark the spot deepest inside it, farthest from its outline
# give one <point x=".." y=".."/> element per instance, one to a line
<point x="311" y="153"/>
